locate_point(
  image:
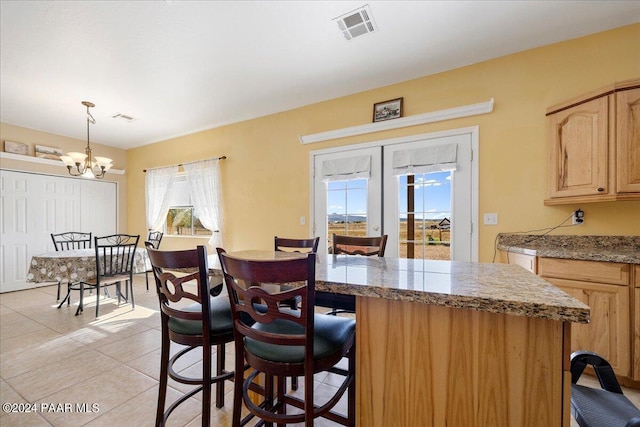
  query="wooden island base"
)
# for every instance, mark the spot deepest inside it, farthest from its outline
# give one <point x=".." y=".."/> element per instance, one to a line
<point x="425" y="365"/>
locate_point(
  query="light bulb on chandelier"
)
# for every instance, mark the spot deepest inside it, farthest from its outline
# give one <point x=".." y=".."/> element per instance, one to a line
<point x="83" y="164"/>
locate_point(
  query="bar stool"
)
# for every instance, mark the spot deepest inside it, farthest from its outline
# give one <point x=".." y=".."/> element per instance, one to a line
<point x="204" y="323"/>
<point x="282" y="342"/>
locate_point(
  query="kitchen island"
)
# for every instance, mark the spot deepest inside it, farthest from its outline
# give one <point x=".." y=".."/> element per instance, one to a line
<point x="454" y="343"/>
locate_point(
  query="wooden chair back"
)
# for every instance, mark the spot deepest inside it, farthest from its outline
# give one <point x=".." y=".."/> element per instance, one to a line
<point x="71" y="240"/>
<point x="367" y="246"/>
<point x="252" y="303"/>
<point x="295" y="245"/>
<point x="172" y="270"/>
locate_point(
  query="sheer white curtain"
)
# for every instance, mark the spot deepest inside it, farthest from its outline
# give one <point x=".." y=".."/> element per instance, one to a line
<point x="158" y="195"/>
<point x="204" y="186"/>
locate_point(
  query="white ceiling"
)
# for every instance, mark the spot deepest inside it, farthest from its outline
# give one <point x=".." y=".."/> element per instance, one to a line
<point x="182" y="66"/>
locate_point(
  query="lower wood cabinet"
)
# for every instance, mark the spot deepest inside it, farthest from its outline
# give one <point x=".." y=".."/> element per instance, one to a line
<point x="605" y="287"/>
<point x="608" y="331"/>
<point x="612" y="291"/>
<point x="636" y="316"/>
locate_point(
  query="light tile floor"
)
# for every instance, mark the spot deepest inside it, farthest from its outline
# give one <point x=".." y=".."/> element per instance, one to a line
<point x="52" y="358"/>
<point x="60" y="362"/>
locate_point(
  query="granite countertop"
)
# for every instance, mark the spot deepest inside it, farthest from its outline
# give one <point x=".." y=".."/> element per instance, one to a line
<point x="624" y="249"/>
<point x="496" y="288"/>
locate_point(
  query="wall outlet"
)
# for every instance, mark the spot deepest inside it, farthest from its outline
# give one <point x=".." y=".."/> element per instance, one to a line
<point x="578" y="217"/>
<point x="491" y="219"/>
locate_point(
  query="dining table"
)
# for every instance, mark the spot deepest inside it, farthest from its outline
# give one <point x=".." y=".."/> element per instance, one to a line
<point x="451" y="343"/>
<point x="74" y="265"/>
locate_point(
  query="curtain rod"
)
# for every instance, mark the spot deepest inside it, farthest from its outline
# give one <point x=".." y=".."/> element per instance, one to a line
<point x="180" y="164"/>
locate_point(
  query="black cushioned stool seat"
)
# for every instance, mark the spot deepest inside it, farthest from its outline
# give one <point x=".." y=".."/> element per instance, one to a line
<point x="602" y="408"/>
<point x="606" y="407"/>
<point x="330" y="334"/>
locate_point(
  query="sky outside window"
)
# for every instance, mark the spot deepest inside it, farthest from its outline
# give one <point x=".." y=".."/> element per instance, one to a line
<point x="432" y="196"/>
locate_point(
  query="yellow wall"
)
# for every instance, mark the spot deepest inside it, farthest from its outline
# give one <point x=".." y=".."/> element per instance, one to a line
<point x="32" y="137"/>
<point x="266" y="174"/>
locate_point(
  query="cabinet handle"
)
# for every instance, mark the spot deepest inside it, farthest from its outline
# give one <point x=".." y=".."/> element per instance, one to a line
<point x="600" y="189"/>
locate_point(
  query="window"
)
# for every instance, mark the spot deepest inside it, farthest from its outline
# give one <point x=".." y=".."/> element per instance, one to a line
<point x="425" y="215"/>
<point x="182" y="218"/>
<point x="347" y="208"/>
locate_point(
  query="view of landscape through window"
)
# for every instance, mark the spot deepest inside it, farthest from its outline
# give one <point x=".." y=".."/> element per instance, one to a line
<point x="424" y="213"/>
<point x="183" y="221"/>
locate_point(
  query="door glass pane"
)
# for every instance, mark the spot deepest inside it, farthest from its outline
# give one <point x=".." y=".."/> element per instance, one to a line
<point x="346" y="208"/>
<point x="424" y="214"/>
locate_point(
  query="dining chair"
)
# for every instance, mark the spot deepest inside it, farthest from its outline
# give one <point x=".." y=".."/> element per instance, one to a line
<point x="68" y="241"/>
<point x="295" y="245"/>
<point x="281" y="342"/>
<point x="607" y="406"/>
<point x="350" y="245"/>
<point x="182" y="277"/>
<point x="154" y="237"/>
<point x="115" y="255"/>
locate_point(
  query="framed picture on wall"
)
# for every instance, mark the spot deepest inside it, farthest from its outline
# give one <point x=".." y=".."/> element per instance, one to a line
<point x="16" y="148"/>
<point x="48" y="152"/>
<point x="387" y="110"/>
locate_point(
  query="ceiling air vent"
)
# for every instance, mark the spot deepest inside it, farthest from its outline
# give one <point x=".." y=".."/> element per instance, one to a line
<point x="356" y="23"/>
<point x="123" y="117"/>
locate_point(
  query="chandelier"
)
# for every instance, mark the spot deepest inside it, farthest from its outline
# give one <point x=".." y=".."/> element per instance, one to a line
<point x="83" y="164"/>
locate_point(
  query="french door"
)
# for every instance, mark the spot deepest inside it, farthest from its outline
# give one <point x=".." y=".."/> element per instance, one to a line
<point x="427" y="214"/>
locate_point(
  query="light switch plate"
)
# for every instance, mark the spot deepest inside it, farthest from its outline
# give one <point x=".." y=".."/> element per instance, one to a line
<point x="491" y="219"/>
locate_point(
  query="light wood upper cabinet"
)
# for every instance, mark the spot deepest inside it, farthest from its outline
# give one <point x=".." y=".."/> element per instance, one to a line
<point x="628" y="140"/>
<point x="579" y="149"/>
<point x="595" y="146"/>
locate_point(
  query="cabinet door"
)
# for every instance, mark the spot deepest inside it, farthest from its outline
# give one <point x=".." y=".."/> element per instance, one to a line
<point x="608" y="331"/>
<point x="636" y="335"/>
<point x="628" y="141"/>
<point x="579" y="149"/>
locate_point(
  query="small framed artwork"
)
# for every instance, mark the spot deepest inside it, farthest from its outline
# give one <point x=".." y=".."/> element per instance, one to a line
<point x="48" y="152"/>
<point x="16" y="148"/>
<point x="387" y="110"/>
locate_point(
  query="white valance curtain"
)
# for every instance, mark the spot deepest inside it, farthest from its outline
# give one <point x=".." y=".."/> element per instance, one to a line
<point x="159" y="183"/>
<point x="424" y="160"/>
<point x="346" y="168"/>
<point x="203" y="178"/>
